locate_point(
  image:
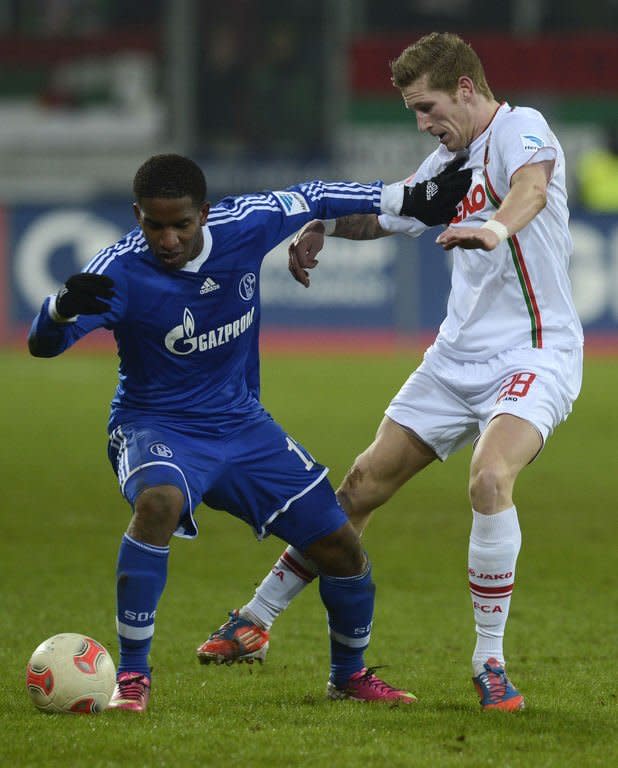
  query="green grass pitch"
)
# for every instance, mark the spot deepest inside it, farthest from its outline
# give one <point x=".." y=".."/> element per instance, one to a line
<point x="62" y="517"/>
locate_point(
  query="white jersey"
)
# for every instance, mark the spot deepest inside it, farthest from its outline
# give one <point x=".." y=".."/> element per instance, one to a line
<point x="518" y="295"/>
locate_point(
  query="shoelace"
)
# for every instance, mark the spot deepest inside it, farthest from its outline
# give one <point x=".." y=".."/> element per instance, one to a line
<point x="376" y="682"/>
<point x="495" y="682"/>
<point x="132" y="687"/>
<point x="233" y="616"/>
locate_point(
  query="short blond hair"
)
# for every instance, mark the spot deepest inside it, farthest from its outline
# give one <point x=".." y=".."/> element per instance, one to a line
<point x="444" y="57"/>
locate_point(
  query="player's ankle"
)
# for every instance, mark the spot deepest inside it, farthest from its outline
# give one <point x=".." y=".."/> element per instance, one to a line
<point x="249" y="615"/>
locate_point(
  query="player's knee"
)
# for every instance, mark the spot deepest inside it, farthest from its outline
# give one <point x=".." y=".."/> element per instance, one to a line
<point x="489" y="485"/>
<point x="347" y="495"/>
<point x="361" y="491"/>
<point x="156" y="513"/>
<point x="339" y="554"/>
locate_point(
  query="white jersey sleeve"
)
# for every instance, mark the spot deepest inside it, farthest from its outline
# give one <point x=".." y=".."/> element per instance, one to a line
<point x="392" y="197"/>
<point x="523" y="137"/>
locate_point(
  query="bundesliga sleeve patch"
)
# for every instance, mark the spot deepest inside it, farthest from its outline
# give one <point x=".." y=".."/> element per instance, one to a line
<point x="530" y="142"/>
<point x="292" y="202"/>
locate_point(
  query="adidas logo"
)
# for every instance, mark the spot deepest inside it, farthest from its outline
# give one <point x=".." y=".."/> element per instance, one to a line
<point x="208" y="286"/>
<point x="287" y="200"/>
<point x="432" y="190"/>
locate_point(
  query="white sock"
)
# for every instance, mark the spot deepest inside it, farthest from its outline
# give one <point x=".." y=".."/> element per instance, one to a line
<point x="289" y="576"/>
<point x="495" y="541"/>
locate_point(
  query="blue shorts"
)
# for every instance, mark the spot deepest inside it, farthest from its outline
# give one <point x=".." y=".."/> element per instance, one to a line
<point x="256" y="474"/>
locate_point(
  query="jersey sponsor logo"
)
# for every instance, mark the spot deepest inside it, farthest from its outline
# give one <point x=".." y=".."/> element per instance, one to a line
<point x="182" y="340"/>
<point x="246" y="287"/>
<point x="530" y="142"/>
<point x="292" y="202"/>
<point x="160" y="449"/>
<point x="208" y="286"/>
<point x="474" y="201"/>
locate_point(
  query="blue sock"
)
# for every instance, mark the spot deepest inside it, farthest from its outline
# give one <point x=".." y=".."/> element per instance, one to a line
<point x="141" y="576"/>
<point x="349" y="603"/>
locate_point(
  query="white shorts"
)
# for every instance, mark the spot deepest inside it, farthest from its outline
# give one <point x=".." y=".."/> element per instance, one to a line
<point x="449" y="403"/>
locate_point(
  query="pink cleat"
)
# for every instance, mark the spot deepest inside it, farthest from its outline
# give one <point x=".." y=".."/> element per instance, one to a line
<point x="365" y="686"/>
<point x="132" y="692"/>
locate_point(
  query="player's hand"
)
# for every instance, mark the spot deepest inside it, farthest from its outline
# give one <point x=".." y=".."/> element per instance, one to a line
<point x="435" y="201"/>
<point x="84" y="294"/>
<point x="468" y="237"/>
<point x="303" y="250"/>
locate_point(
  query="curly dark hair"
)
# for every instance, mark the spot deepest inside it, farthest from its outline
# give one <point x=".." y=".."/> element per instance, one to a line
<point x="170" y="176"/>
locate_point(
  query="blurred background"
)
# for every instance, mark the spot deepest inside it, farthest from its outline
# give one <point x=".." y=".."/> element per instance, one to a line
<point x="264" y="94"/>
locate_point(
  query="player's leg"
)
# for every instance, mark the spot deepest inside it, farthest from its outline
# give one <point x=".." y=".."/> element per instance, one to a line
<point x="156" y="514"/>
<point x="317" y="525"/>
<point x="421" y="424"/>
<point x="290" y="574"/>
<point x="141" y="575"/>
<point x="394" y="457"/>
<point x="154" y="492"/>
<point x="535" y="393"/>
<point x="505" y="447"/>
<point x="273" y="483"/>
<point x="245" y="636"/>
<point x="142" y="571"/>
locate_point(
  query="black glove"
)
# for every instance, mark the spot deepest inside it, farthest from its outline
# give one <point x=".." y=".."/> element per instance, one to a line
<point x="435" y="201"/>
<point x="83" y="294"/>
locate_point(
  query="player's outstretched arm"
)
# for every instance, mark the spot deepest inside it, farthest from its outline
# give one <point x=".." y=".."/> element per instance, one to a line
<point x="55" y="329"/>
<point x="309" y="241"/>
<point x="433" y="201"/>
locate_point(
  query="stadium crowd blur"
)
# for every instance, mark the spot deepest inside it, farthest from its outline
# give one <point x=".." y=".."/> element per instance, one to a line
<point x="264" y="93"/>
<point x="268" y="81"/>
<point x="598" y="174"/>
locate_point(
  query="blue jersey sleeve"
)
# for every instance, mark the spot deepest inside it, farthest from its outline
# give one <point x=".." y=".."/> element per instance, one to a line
<point x="48" y="338"/>
<point x="271" y="217"/>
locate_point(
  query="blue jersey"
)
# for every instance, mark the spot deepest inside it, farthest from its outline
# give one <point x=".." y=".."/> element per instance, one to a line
<point x="188" y="339"/>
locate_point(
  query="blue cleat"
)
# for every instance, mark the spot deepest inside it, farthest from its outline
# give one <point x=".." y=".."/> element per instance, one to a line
<point x="495" y="690"/>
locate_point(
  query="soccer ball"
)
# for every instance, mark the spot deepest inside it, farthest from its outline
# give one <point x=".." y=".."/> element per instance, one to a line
<point x="70" y="673"/>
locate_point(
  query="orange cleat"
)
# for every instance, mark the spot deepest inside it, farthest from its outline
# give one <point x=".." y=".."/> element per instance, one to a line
<point x="237" y="640"/>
